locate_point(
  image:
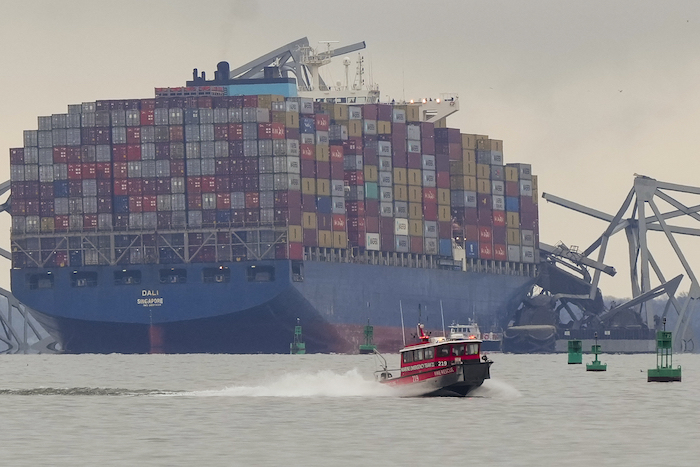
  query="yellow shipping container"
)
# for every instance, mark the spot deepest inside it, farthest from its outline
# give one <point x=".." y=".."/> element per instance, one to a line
<point x="383" y="128"/>
<point x="355" y="128"/>
<point x="47" y="224"/>
<point x="415" y="228"/>
<point x="512" y="219"/>
<point x="326" y="107"/>
<point x="308" y="187"/>
<point x="308" y="220"/>
<point x="400" y="176"/>
<point x="468" y="142"/>
<point x="340" y="240"/>
<point x="415" y="194"/>
<point x="483" y="186"/>
<point x="278" y="117"/>
<point x="513" y="236"/>
<point x="415" y="177"/>
<point x="469" y="155"/>
<point x="295" y="233"/>
<point x="511" y="174"/>
<point x="323" y="187"/>
<point x="370" y="173"/>
<point x="400" y="193"/>
<point x="415" y="211"/>
<point x="412" y="113"/>
<point x="325" y="239"/>
<point x="444" y="213"/>
<point x="483" y="171"/>
<point x="463" y="167"/>
<point x="442" y="123"/>
<point x="340" y="112"/>
<point x="323" y="153"/>
<point x="291" y="119"/>
<point x="443" y="195"/>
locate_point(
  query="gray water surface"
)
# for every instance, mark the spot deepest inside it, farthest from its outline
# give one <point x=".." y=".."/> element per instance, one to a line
<point x="326" y="410"/>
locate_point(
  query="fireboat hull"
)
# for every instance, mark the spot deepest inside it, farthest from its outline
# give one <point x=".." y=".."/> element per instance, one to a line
<point x="451" y="381"/>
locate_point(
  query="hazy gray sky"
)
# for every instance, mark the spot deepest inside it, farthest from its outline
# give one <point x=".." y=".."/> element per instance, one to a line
<point x="588" y="92"/>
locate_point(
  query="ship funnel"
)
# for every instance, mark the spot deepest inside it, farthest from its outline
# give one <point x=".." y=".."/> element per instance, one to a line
<point x="195" y="74"/>
<point x="223" y="72"/>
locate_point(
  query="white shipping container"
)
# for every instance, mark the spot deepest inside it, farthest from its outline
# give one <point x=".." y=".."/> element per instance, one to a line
<point x="133" y="169"/>
<point x="60" y="171"/>
<point x="235" y="115"/>
<point x="44" y="123"/>
<point x="306" y="105"/>
<point x="193" y="167"/>
<point x="370" y="127"/>
<point x="208" y="149"/>
<point x="398" y="116"/>
<point x="177" y="185"/>
<point x="250" y="115"/>
<point x="265" y="147"/>
<point x="60" y="206"/>
<point x="88" y="107"/>
<point x="354" y="113"/>
<point x="338" y="188"/>
<point x="179" y="202"/>
<point x="148" y="169"/>
<point x="59" y="121"/>
<point x="19" y="224"/>
<point x="135" y="220"/>
<point x="291" y="106"/>
<point x="73" y="137"/>
<point x="430" y="246"/>
<point x="192" y="151"/>
<point x="413" y="146"/>
<point x="164" y="203"/>
<point x="262" y="115"/>
<point x="160" y="116"/>
<point x="33" y="224"/>
<point x="322" y="137"/>
<point x="237" y="200"/>
<point x="527" y="254"/>
<point x="372" y="242"/>
<point x="17" y="173"/>
<point x="75" y="206"/>
<point x="118" y="117"/>
<point x="386" y="209"/>
<point x="88" y="120"/>
<point x="385" y="164"/>
<point x="206" y="132"/>
<point x="150" y="220"/>
<point x="386" y="194"/>
<point x="208" y="166"/>
<point x="179" y="219"/>
<point x="338" y="205"/>
<point x="496" y="158"/>
<point x="266" y="165"/>
<point x="385" y="179"/>
<point x="192" y="133"/>
<point x="31" y="172"/>
<point x="31" y="138"/>
<point x="148" y="134"/>
<point x="384" y="149"/>
<point x="31" y="155"/>
<point x="73" y="119"/>
<point x="45" y="156"/>
<point x="267" y="182"/>
<point x="206" y="116"/>
<point x="498" y="203"/>
<point x="429" y="180"/>
<point x="307" y="138"/>
<point x="293" y="147"/>
<point x="267" y="198"/>
<point x="221" y="148"/>
<point x="221" y="115"/>
<point x="104" y="221"/>
<point x="293" y="165"/>
<point x="525" y="187"/>
<point x="400" y="226"/>
<point x="513" y="253"/>
<point x="45" y="139"/>
<point x="208" y="200"/>
<point x="163" y="168"/>
<point x="430" y="229"/>
<point x="133" y="117"/>
<point x="428" y="162"/>
<point x="413" y="132"/>
<point x="527" y="237"/>
<point x="90" y="188"/>
<point x="498" y="188"/>
<point x="89" y="204"/>
<point x="60" y="137"/>
<point x="402" y="245"/>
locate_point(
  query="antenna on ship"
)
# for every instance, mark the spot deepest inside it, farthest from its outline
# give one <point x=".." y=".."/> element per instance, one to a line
<point x="442" y="315"/>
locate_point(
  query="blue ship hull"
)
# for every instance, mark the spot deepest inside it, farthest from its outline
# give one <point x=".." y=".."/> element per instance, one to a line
<point x="333" y="302"/>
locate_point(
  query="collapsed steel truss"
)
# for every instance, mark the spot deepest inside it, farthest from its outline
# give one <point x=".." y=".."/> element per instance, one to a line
<point x="636" y="226"/>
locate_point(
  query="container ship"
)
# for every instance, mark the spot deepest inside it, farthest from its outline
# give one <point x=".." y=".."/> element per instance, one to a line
<point x="215" y="216"/>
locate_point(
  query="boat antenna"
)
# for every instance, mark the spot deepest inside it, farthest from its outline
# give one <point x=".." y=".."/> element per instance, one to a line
<point x="442" y="314"/>
<point x="403" y="332"/>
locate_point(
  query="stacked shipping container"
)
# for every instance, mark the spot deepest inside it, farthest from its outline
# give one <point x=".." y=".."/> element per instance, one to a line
<point x="372" y="177"/>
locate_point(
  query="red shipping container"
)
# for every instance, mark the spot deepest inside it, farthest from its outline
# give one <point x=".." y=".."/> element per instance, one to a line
<point x="204" y="102"/>
<point x="75" y="171"/>
<point x="278" y="131"/>
<point x="89" y="171"/>
<point x="194" y="201"/>
<point x="104" y="187"/>
<point x="443" y="180"/>
<point x="430" y="212"/>
<point x="150" y="203"/>
<point x="135" y="204"/>
<point x="18" y="207"/>
<point x="223" y="201"/>
<point x="296" y="250"/>
<point x="90" y="221"/>
<point x="357" y="224"/>
<point x="281" y="251"/>
<point x="414" y="161"/>
<point x="339" y="222"/>
<point x="350" y="147"/>
<point x="499" y="219"/>
<point x="355" y="208"/>
<point x="325" y="221"/>
<point x="148" y="117"/>
<point x="308" y="152"/>
<point x="485" y="235"/>
<point x="252" y="216"/>
<point x="148" y="104"/>
<point x="133" y="152"/>
<point x="222" y="167"/>
<point x="103" y="170"/>
<point x="177" y="133"/>
<point x="251" y="166"/>
<point x="372" y="224"/>
<point x="308" y="168"/>
<point x="135" y="186"/>
<point x="237" y="183"/>
<point x="46" y="190"/>
<point x="121" y="187"/>
<point x="17" y="156"/>
<point x="499" y="235"/>
<point x="336" y="154"/>
<point x="177" y="168"/>
<point x="357" y="239"/>
<point x="208" y="184"/>
<point x="250" y="101"/>
<point x="500" y="252"/>
<point x="163" y="186"/>
<point x="322" y="122"/>
<point x="355" y="177"/>
<point x="485" y="217"/>
<point x="323" y="170"/>
<point x="429" y="195"/>
<point x="512" y="189"/>
<point x="60" y="156"/>
<point x="133" y="135"/>
<point x="104" y="205"/>
<point x="119" y="153"/>
<point x="399" y="159"/>
<point x="527" y="205"/>
<point x="252" y="200"/>
<point x="485" y="251"/>
<point x="337" y="171"/>
<point x="416" y="244"/>
<point x="372" y="207"/>
<point x="528" y="220"/>
<point x="194" y="185"/>
<point x="310" y="238"/>
<point x="235" y="132"/>
<point x="120" y="170"/>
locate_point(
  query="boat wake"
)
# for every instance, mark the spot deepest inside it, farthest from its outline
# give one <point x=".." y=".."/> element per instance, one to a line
<point x="81" y="392"/>
<point x="321" y="384"/>
<point x="496" y="389"/>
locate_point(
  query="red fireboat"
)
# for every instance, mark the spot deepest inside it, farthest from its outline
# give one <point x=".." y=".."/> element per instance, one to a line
<point x="438" y="366"/>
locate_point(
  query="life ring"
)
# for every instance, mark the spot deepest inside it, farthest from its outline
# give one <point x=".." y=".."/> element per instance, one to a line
<point x="485" y="337"/>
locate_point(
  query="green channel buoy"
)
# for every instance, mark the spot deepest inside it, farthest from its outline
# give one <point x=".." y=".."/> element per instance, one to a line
<point x="575" y="352"/>
<point x="664" y="371"/>
<point x="369" y="346"/>
<point x="298" y="347"/>
<point x="596" y="365"/>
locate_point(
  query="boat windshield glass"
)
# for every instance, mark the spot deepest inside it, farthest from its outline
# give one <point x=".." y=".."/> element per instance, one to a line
<point x="444" y="351"/>
<point x="458" y="350"/>
<point x="429" y="353"/>
<point x="408" y="357"/>
<point x="418" y="355"/>
<point x="473" y="349"/>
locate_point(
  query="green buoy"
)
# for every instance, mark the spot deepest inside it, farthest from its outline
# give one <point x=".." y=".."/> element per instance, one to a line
<point x="596" y="365"/>
<point x="368" y="346"/>
<point x="575" y="352"/>
<point x="298" y="347"/>
<point x="664" y="372"/>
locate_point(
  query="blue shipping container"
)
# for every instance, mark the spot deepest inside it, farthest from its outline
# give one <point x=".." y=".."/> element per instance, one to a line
<point x="472" y="249"/>
<point x="121" y="204"/>
<point x="512" y="204"/>
<point x="446" y="247"/>
<point x="60" y="189"/>
<point x="307" y="125"/>
<point x="324" y="204"/>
